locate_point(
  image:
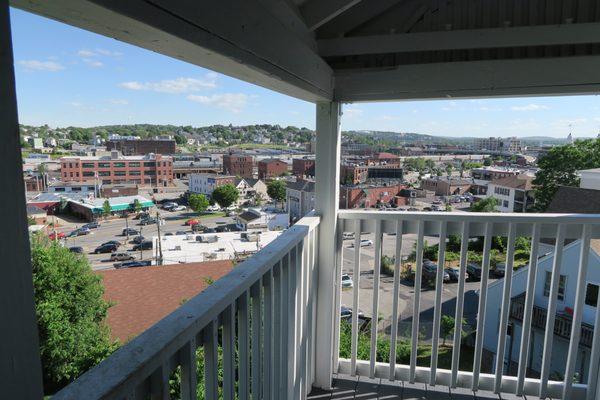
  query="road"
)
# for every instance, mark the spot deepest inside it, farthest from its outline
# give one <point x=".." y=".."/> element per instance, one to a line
<point x="406" y="291"/>
<point x="111" y="230"/>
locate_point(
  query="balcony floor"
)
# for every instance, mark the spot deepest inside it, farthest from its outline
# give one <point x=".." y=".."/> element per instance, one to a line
<point x="347" y="387"/>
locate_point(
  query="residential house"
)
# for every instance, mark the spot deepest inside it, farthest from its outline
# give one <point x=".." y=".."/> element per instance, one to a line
<point x="514" y="193"/>
<point x="300" y="199"/>
<point x="206" y="183"/>
<point x="446" y="186"/>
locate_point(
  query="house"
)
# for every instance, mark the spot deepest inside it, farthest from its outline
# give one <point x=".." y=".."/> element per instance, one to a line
<point x="514" y="193"/>
<point x="254" y="219"/>
<point x="249" y="189"/>
<point x="564" y="313"/>
<point x="446" y="186"/>
<point x="140" y="297"/>
<point x="299" y="199"/>
<point x="207" y="183"/>
<point x="367" y="196"/>
<point x="36" y="214"/>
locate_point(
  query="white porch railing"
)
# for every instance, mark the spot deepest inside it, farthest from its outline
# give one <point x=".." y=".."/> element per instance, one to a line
<point x="256" y="324"/>
<point x="535" y="226"/>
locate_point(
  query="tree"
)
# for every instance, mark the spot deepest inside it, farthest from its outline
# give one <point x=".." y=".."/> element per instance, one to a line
<point x="198" y="202"/>
<point x="258" y="199"/>
<point x="446" y="327"/>
<point x="276" y="191"/>
<point x="486" y="205"/>
<point x="106" y="208"/>
<point x="70" y="313"/>
<point x="559" y="168"/>
<point x="225" y="195"/>
<point x="41" y="169"/>
<point x="136" y="206"/>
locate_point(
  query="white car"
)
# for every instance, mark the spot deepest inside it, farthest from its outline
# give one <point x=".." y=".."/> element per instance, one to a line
<point x="364" y="243"/>
<point x="213" y="208"/>
<point x="179" y="208"/>
<point x="347" y="281"/>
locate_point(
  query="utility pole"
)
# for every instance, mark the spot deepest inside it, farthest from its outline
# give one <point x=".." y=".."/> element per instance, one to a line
<point x="159" y="259"/>
<point x="141" y="244"/>
<point x="127" y="228"/>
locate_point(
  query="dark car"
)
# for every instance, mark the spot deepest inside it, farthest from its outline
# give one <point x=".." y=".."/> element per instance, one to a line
<point x="198" y="228"/>
<point x="111" y="242"/>
<point x="76" y="249"/>
<point x="138" y="239"/>
<point x="168" y="234"/>
<point x="129" y="231"/>
<point x="453" y="273"/>
<point x="210" y="230"/>
<point x="105" y="248"/>
<point x="429" y="270"/>
<point x="473" y="272"/>
<point x="346" y="313"/>
<point x="222" y="228"/>
<point x="132" y="264"/>
<point x="142" y="215"/>
<point x="147" y="245"/>
<point x="148" y="221"/>
<point x="180" y="233"/>
<point x="92" y="225"/>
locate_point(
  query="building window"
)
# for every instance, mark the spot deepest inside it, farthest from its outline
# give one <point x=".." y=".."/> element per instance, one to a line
<point x="119" y="173"/>
<point x="103" y="165"/>
<point x="134" y="165"/>
<point x="562" y="283"/>
<point x="88" y="173"/>
<point x="150" y="164"/>
<point x="505" y="203"/>
<point x="119" y="165"/>
<point x="104" y="173"/>
<point x="136" y="173"/>
<point x="76" y="189"/>
<point x="87" y="165"/>
<point x="591" y="295"/>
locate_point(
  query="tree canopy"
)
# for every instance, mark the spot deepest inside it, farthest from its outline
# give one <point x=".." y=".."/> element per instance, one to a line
<point x="485" y="205"/>
<point x="198" y="202"/>
<point x="559" y="168"/>
<point x="225" y="195"/>
<point x="276" y="190"/>
<point x="70" y="313"/>
<point x="106" y="208"/>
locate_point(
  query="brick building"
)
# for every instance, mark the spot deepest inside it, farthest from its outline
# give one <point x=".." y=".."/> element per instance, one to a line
<point x="364" y="196"/>
<point x="131" y="147"/>
<point x="303" y="167"/>
<point x="445" y="186"/>
<point x="241" y="165"/>
<point x="271" y="168"/>
<point x="152" y="169"/>
<point x="206" y="183"/>
<point x="353" y="174"/>
<point x="384" y="158"/>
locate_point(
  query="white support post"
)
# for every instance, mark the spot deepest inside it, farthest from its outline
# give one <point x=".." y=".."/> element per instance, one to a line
<point x="326" y="204"/>
<point x="20" y="368"/>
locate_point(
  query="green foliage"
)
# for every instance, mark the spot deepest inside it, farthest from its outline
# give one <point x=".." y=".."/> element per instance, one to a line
<point x="276" y="190"/>
<point x="485" y="205"/>
<point x="30" y="221"/>
<point x="198" y="202"/>
<point x="136" y="205"/>
<point x="106" y="208"/>
<point x="225" y="195"/>
<point x="70" y="313"/>
<point x="387" y="265"/>
<point x="559" y="168"/>
<point x="180" y="140"/>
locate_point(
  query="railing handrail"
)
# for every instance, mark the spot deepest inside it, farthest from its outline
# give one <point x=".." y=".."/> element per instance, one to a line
<point x="138" y="359"/>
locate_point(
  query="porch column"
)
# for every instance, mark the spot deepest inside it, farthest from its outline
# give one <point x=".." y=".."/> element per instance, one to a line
<point x="20" y="369"/>
<point x="326" y="204"/>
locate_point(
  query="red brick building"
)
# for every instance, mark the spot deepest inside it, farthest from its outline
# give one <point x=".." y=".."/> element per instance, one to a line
<point x="271" y="168"/>
<point x="303" y="167"/>
<point x="152" y="169"/>
<point x="368" y="196"/>
<point x="353" y="174"/>
<point x="384" y="158"/>
<point x="238" y="165"/>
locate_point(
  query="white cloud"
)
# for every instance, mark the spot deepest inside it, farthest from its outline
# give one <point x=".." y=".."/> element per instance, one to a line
<point x="119" y="102"/>
<point x="93" y="63"/>
<point x="37" y="65"/>
<point x="529" y="107"/>
<point x="97" y="53"/>
<point x="523" y="125"/>
<point x="86" y="53"/>
<point x="179" y="85"/>
<point x="233" y="102"/>
<point x="352" y="112"/>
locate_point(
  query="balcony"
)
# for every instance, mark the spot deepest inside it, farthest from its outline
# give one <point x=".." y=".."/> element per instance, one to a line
<point x="259" y="325"/>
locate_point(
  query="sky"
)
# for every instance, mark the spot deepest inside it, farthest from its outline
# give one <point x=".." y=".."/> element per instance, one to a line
<point x="66" y="76"/>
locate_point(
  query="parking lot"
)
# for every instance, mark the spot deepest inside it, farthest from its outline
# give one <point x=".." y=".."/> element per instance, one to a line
<point x="111" y="230"/>
<point x="406" y="291"/>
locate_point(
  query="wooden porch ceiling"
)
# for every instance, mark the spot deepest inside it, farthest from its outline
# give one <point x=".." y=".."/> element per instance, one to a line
<point x="364" y="50"/>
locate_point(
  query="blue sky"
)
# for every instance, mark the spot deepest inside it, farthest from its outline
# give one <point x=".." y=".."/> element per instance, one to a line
<point x="68" y="76"/>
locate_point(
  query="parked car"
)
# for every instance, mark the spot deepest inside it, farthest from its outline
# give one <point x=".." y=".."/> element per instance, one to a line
<point x="118" y="244"/>
<point x="213" y="208"/>
<point x="105" y="248"/>
<point x="198" y="228"/>
<point x="453" y="274"/>
<point x="181" y="233"/>
<point x="210" y="230"/>
<point x="179" y="208"/>
<point x="364" y="243"/>
<point x="76" y="249"/>
<point x="56" y="235"/>
<point x="348" y="235"/>
<point x="83" y="231"/>
<point x="147" y="245"/>
<point x="148" y="221"/>
<point x="347" y="281"/>
<point x="222" y="228"/>
<point x="191" y="222"/>
<point x="121" y="257"/>
<point x="129" y="231"/>
<point x="169" y="234"/>
<point x="169" y="205"/>
<point x="138" y="239"/>
<point x="500" y="270"/>
<point x="473" y="272"/>
<point x="346" y="313"/>
<point x="142" y="215"/>
<point x="132" y="264"/>
<point x="92" y="225"/>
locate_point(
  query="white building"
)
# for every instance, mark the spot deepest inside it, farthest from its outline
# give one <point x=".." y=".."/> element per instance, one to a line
<point x="564" y="309"/>
<point x="254" y="219"/>
<point x="590" y="179"/>
<point x="514" y="193"/>
<point x="206" y="183"/>
<point x="300" y="199"/>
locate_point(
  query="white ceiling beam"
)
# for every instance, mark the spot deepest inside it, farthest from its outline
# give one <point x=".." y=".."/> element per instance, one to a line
<point x="471" y="79"/>
<point x="318" y="12"/>
<point x="542" y="35"/>
<point x="288" y="13"/>
<point x="239" y="38"/>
